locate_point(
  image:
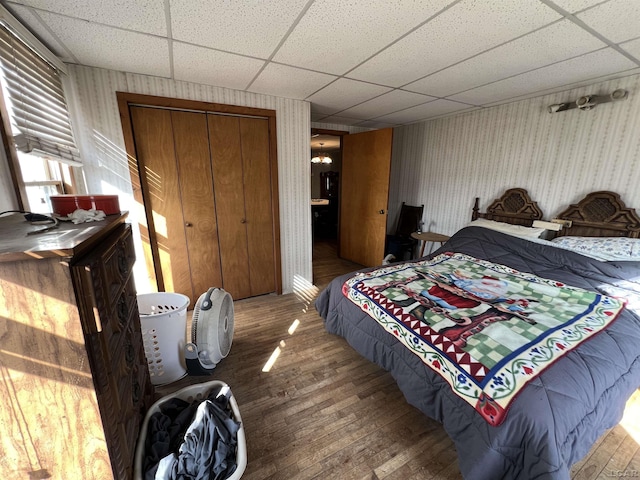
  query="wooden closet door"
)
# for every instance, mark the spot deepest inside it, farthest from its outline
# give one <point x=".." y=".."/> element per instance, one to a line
<point x="191" y="139"/>
<point x="241" y="177"/>
<point x="254" y="134"/>
<point x="175" y="170"/>
<point x="226" y="156"/>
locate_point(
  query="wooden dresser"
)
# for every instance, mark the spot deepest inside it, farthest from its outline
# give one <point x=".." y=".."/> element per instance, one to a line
<point x="75" y="384"/>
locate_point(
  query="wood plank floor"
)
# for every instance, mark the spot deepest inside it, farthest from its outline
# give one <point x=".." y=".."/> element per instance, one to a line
<point x="323" y="412"/>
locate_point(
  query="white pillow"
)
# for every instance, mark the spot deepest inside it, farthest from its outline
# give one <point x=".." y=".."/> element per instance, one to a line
<point x="515" y="230"/>
<point x="602" y="248"/>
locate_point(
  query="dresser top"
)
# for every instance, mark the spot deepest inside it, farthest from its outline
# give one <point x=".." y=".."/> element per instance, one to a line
<point x="67" y="240"/>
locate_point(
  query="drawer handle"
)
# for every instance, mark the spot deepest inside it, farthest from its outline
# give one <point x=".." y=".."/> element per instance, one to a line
<point x="123" y="264"/>
<point x="135" y="391"/>
<point x="122" y="312"/>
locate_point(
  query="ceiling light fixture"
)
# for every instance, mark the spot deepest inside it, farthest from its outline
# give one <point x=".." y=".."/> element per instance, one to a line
<point x="321" y="157"/>
<point x="588" y="102"/>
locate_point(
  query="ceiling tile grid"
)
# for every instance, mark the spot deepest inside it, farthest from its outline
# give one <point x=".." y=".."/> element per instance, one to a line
<point x="365" y="63"/>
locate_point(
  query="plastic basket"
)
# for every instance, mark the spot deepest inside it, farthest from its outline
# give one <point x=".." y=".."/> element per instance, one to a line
<point x="190" y="394"/>
<point x="163" y="321"/>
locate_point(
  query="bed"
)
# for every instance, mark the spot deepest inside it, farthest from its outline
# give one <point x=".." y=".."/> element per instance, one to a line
<point x="569" y="399"/>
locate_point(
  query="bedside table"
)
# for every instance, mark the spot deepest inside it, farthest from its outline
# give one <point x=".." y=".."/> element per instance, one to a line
<point x="425" y="237"/>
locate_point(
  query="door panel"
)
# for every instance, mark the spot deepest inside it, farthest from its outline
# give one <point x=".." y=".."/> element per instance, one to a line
<point x="191" y="139"/>
<point x="153" y="135"/>
<point x="226" y="155"/>
<point x="254" y="134"/>
<point x="366" y="163"/>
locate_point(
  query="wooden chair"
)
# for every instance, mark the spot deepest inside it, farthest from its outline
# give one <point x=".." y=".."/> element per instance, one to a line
<point x="401" y="243"/>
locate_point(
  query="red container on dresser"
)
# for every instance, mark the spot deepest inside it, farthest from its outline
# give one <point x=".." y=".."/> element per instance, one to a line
<point x="65" y="204"/>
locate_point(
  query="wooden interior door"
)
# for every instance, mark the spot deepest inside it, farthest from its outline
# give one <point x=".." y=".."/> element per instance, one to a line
<point x="240" y="159"/>
<point x="172" y="148"/>
<point x="366" y="163"/>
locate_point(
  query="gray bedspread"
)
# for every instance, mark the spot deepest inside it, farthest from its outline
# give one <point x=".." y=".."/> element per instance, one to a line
<point x="560" y="414"/>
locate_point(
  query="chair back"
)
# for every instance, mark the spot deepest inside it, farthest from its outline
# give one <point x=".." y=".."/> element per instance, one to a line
<point x="409" y="220"/>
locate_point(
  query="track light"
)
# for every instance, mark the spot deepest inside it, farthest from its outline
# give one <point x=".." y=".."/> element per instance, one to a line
<point x="588" y="102"/>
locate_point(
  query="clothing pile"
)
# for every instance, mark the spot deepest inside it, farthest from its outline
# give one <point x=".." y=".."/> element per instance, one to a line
<point x="192" y="441"/>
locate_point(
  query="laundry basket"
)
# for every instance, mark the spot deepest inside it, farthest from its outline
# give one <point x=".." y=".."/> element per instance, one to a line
<point x="163" y="321"/>
<point x="190" y="394"/>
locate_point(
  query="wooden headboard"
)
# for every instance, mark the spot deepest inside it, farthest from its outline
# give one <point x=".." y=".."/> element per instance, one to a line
<point x="601" y="214"/>
<point x="514" y="207"/>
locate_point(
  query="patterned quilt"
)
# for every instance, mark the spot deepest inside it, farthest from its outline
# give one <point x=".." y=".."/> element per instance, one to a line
<point x="487" y="329"/>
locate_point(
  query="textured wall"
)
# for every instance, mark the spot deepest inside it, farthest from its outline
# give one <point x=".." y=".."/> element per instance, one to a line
<point x="445" y="163"/>
<point x="94" y="110"/>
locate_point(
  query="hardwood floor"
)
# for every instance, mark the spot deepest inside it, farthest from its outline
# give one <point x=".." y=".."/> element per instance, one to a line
<point x="324" y="412"/>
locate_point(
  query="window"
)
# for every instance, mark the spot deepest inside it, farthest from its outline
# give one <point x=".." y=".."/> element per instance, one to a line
<point x="39" y="122"/>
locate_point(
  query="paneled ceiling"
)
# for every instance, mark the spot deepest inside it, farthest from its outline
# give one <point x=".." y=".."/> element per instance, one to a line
<point x="369" y="63"/>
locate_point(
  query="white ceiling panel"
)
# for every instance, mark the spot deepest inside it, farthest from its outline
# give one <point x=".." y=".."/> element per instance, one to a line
<point x="26" y="15"/>
<point x="284" y="81"/>
<point x="551" y="44"/>
<point x="466" y="29"/>
<point x="210" y="67"/>
<point x="607" y="19"/>
<point x="423" y="112"/>
<point x="358" y="62"/>
<point x="340" y="120"/>
<point x="387" y="103"/>
<point x="140" y="15"/>
<point x="573" y="6"/>
<point x="119" y="49"/>
<point x="377" y="125"/>
<point x="334" y="36"/>
<point x="345" y="93"/>
<point x="633" y="47"/>
<point x="591" y="65"/>
<point x="248" y="27"/>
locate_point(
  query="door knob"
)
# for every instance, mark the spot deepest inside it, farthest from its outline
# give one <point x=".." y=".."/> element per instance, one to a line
<point x="244" y="220"/>
<point x="381" y="212"/>
<point x="188" y="224"/>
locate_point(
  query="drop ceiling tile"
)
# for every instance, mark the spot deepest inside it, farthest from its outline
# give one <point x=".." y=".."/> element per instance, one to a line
<point x="251" y="28"/>
<point x="341" y="120"/>
<point x="377" y="125"/>
<point x="27" y="17"/>
<point x="211" y="67"/>
<point x="424" y="112"/>
<point x="316" y="117"/>
<point x="335" y="36"/>
<point x="119" y="49"/>
<point x="551" y="44"/>
<point x="387" y="103"/>
<point x="606" y="19"/>
<point x="466" y="29"/>
<point x="140" y="15"/>
<point x="573" y="6"/>
<point x="591" y="65"/>
<point x="633" y="47"/>
<point x="345" y="93"/>
<point x="290" y="82"/>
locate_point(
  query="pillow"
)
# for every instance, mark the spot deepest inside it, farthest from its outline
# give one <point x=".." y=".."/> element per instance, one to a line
<point x="602" y="248"/>
<point x="515" y="230"/>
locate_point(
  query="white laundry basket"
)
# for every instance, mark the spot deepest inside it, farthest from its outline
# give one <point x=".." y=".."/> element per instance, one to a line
<point x="163" y="321"/>
<point x="189" y="394"/>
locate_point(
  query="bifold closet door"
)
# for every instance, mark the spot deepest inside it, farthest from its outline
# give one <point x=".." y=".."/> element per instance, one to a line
<point x="241" y="173"/>
<point x="175" y="171"/>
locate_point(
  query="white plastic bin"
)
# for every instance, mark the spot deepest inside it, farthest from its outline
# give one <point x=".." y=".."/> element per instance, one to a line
<point x="163" y="321"/>
<point x="189" y="394"/>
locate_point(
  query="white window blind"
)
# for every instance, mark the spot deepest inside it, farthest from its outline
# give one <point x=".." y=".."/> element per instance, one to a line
<point x="35" y="102"/>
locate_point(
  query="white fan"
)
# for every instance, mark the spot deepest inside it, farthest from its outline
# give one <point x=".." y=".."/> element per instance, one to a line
<point x="211" y="331"/>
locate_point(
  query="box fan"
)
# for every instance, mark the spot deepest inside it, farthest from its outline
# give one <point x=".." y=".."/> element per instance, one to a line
<point x="211" y="331"/>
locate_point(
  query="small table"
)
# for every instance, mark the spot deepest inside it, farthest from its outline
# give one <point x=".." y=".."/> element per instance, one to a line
<point x="425" y="237"/>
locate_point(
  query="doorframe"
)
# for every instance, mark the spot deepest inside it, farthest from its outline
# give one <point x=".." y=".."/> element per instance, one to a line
<point x="126" y="99"/>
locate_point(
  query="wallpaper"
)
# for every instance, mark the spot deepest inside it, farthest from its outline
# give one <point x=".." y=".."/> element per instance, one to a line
<point x="446" y="163"/>
<point x="94" y="111"/>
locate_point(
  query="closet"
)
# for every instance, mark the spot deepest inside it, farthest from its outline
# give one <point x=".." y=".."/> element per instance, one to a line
<point x="207" y="181"/>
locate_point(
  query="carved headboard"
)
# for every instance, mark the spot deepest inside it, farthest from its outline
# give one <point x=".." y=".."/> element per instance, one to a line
<point x="514" y="207"/>
<point x="601" y="214"/>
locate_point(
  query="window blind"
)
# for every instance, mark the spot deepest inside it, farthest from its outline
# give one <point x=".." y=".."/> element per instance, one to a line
<point x="35" y="102"/>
